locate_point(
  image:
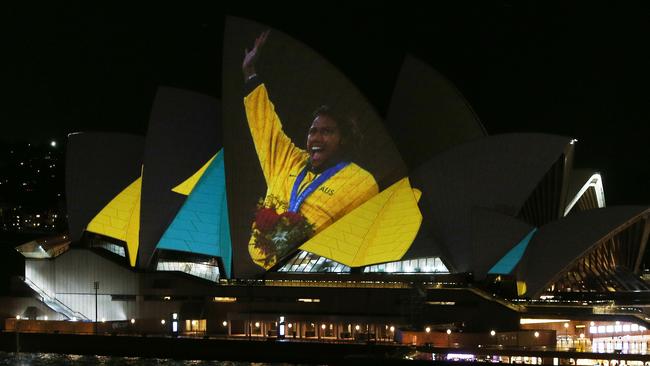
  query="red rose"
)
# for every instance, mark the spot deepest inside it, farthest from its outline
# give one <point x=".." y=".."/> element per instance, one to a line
<point x="292" y="217"/>
<point x="266" y="219"/>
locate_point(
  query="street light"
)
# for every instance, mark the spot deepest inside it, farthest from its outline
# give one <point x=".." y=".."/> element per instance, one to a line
<point x="427" y="329"/>
<point x="448" y="334"/>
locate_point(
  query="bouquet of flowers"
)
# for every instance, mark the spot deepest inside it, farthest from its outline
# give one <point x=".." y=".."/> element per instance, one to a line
<point x="277" y="231"/>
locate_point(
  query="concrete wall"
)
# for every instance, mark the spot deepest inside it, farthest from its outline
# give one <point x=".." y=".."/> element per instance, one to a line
<point x="70" y="279"/>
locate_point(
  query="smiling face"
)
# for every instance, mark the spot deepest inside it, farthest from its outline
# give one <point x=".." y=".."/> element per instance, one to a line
<point x="324" y="142"/>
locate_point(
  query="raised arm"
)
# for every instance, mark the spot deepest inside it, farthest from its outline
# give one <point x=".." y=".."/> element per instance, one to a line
<point x="275" y="150"/>
<point x="250" y="57"/>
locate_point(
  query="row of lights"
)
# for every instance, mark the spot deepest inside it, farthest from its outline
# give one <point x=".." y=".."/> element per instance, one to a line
<point x="323" y="326"/>
<point x="74" y="319"/>
<point x="618" y="328"/>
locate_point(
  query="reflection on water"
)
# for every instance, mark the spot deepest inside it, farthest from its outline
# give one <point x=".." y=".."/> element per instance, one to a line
<point x="47" y="359"/>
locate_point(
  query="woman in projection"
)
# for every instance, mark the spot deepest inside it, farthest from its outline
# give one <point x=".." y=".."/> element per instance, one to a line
<point x="319" y="183"/>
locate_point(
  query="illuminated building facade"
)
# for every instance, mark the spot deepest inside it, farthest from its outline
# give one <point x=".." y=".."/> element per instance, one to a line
<point x="478" y="234"/>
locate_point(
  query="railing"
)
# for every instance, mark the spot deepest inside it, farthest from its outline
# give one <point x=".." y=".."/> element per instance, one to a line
<point x="54" y="303"/>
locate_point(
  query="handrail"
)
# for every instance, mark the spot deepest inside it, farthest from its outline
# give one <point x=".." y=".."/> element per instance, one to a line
<point x="50" y="300"/>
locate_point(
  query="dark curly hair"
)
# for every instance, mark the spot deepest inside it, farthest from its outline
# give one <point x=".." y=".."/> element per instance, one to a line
<point x="348" y="127"/>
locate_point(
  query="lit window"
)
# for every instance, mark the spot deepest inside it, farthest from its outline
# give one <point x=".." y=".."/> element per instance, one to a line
<point x="224" y="299"/>
<point x="308" y="300"/>
<point x="309" y="262"/>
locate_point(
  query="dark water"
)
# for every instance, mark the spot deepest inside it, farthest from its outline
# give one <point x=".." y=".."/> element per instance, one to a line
<point x="49" y="359"/>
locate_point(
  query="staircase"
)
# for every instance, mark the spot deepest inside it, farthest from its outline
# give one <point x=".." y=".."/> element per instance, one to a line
<point x="54" y="304"/>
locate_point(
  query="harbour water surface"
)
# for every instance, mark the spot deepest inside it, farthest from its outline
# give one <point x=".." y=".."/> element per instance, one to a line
<point x="51" y="359"/>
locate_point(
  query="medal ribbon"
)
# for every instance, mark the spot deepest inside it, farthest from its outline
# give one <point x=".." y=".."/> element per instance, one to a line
<point x="296" y="199"/>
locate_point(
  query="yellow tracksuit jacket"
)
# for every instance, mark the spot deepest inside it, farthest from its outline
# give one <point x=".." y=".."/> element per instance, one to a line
<point x="281" y="163"/>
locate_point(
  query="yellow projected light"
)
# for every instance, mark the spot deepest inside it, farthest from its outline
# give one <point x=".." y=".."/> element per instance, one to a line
<point x="120" y="219"/>
<point x="187" y="186"/>
<point x="380" y="230"/>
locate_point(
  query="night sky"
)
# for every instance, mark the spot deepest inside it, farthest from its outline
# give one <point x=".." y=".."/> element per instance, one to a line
<point x="580" y="71"/>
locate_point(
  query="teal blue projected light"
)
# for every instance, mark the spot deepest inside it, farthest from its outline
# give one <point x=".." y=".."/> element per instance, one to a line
<point x="201" y="225"/>
<point x="508" y="262"/>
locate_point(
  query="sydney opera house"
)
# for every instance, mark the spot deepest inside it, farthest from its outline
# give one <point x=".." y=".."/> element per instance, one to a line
<point x="491" y="235"/>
